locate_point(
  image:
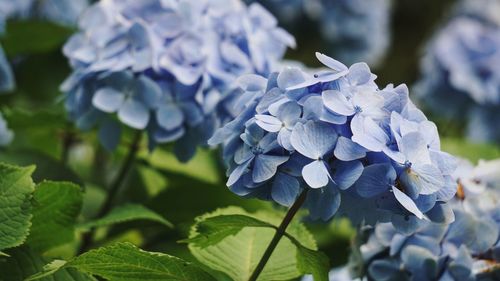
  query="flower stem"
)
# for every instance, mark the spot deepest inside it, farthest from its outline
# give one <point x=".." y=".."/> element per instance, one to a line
<point x="280" y="232"/>
<point x="88" y="237"/>
<point x="68" y="139"/>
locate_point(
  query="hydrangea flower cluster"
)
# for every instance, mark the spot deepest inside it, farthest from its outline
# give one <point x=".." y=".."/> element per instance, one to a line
<point x="466" y="249"/>
<point x="354" y="146"/>
<point x="355" y="30"/>
<point x="460" y="69"/>
<point x="63" y="12"/>
<point x="166" y="66"/>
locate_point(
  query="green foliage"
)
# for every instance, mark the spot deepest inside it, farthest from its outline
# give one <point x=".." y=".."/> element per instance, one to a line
<point x="56" y="208"/>
<point x="214" y="229"/>
<point x="29" y="37"/>
<point x="125" y="213"/>
<point x="233" y="241"/>
<point x="125" y="262"/>
<point x="471" y="151"/>
<point x="48" y="168"/>
<point x="16" y="187"/>
<point x="24" y="262"/>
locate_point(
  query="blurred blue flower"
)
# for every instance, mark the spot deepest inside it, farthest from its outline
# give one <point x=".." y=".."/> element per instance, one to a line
<point x="354" y="30"/>
<point x="7" y="81"/>
<point x="460" y="69"/>
<point x="462" y="247"/>
<point x="63" y="12"/>
<point x="6" y="135"/>
<point x="168" y="67"/>
<point x="338" y="134"/>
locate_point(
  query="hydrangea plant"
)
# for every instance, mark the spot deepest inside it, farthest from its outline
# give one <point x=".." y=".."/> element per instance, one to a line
<point x="466" y="249"/>
<point x="167" y="67"/>
<point x="366" y="150"/>
<point x="460" y="69"/>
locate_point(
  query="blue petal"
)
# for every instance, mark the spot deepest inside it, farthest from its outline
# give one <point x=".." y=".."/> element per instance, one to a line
<point x="169" y="116"/>
<point x="265" y="166"/>
<point x="134" y="114"/>
<point x="268" y="123"/>
<point x="316" y="174"/>
<point x="441" y="213"/>
<point x="368" y="134"/>
<point x="422" y="179"/>
<point x="405" y="224"/>
<point x="149" y="91"/>
<point x="237" y="173"/>
<point x="109" y="134"/>
<point x="289" y="113"/>
<point x="407" y="203"/>
<point x="331" y="63"/>
<point x="345" y="174"/>
<point x="313" y="139"/>
<point x="414" y="147"/>
<point x="252" y="82"/>
<point x="418" y="260"/>
<point x="386" y="270"/>
<point x="337" y="102"/>
<point x="359" y="74"/>
<point x="243" y="154"/>
<point x="289" y="77"/>
<point x="425" y="202"/>
<point x="285" y="189"/>
<point x="108" y="100"/>
<point x="375" y="179"/>
<point x="284" y="139"/>
<point x="323" y="203"/>
<point x="347" y="150"/>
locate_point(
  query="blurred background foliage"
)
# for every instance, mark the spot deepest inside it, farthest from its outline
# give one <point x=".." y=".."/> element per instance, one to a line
<point x="175" y="190"/>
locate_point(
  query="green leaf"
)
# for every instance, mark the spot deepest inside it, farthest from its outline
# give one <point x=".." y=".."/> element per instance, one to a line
<point x="125" y="213"/>
<point x="27" y="37"/>
<point x="56" y="208"/>
<point x="24" y="262"/>
<point x="125" y="262"/>
<point x="213" y="230"/>
<point x="237" y="255"/>
<point x="16" y="187"/>
<point x="311" y="261"/>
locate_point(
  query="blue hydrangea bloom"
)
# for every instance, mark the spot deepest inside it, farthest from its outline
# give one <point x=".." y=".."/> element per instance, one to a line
<point x="465" y="247"/>
<point x="359" y="149"/>
<point x="63" y="12"/>
<point x="168" y="67"/>
<point x="460" y="70"/>
<point x="6" y="135"/>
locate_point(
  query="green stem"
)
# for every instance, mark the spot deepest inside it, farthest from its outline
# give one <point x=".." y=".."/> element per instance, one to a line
<point x="88" y="237"/>
<point x="68" y="139"/>
<point x="280" y="232"/>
